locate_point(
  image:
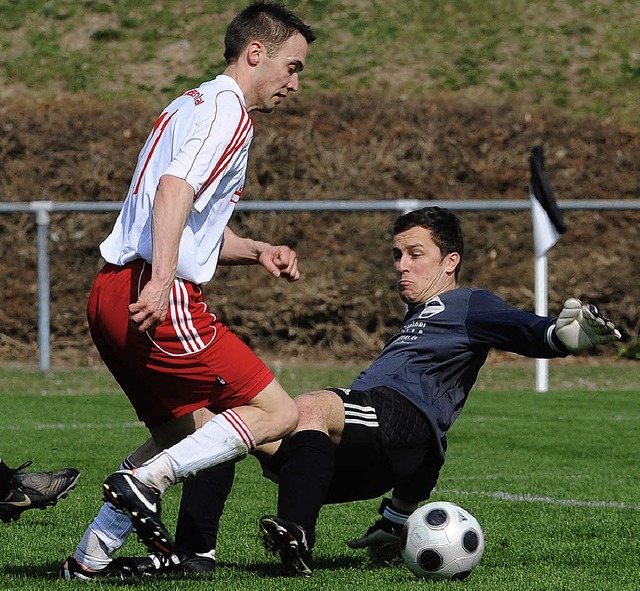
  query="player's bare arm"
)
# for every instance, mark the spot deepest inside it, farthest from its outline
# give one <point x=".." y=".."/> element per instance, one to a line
<point x="171" y="207"/>
<point x="279" y="260"/>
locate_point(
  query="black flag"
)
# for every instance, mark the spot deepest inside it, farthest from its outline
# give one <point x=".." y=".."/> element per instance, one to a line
<point x="548" y="223"/>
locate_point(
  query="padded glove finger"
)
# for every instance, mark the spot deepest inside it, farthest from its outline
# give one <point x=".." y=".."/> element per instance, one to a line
<point x="580" y="327"/>
<point x="600" y="324"/>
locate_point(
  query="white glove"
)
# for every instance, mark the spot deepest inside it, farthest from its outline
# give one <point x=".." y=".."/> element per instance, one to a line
<point x="581" y="327"/>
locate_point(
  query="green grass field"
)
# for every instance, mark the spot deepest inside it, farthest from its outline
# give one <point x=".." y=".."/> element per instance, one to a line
<point x="553" y="478"/>
<point x="578" y="56"/>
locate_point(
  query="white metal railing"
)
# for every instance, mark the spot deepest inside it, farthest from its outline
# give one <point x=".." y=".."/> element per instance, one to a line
<point x="43" y="209"/>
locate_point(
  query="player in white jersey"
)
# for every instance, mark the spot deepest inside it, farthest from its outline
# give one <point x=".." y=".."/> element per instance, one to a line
<point x="176" y="362"/>
<point x="203" y="139"/>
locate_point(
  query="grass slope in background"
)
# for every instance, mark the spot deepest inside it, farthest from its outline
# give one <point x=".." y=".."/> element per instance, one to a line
<point x="579" y="56"/>
<point x="552" y="478"/>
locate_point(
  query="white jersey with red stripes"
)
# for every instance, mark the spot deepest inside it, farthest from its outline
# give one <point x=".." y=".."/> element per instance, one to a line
<point x="202" y="137"/>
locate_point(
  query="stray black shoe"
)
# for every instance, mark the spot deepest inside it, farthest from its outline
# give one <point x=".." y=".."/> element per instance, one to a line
<point x="36" y="490"/>
<point x="72" y="569"/>
<point x="158" y="564"/>
<point x="142" y="504"/>
<point x="292" y="542"/>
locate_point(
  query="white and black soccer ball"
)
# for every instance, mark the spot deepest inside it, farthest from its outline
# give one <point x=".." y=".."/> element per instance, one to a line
<point x="441" y="540"/>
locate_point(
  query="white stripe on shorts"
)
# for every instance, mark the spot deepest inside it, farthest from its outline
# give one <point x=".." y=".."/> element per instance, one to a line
<point x="182" y="321"/>
<point x="371" y="424"/>
<point x="356" y="414"/>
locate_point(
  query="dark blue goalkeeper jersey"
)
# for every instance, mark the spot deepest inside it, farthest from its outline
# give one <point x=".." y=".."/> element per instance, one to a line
<point x="434" y="358"/>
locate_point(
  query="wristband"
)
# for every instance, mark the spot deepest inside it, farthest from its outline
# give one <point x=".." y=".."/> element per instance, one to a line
<point x="388" y="511"/>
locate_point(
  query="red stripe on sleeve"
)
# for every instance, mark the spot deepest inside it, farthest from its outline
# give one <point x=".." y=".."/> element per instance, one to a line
<point x="237" y="141"/>
<point x="155" y="143"/>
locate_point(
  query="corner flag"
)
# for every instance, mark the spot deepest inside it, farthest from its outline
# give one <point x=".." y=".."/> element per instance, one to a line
<point x="548" y="223"/>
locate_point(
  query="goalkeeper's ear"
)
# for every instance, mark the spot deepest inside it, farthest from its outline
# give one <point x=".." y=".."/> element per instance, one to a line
<point x="580" y="327"/>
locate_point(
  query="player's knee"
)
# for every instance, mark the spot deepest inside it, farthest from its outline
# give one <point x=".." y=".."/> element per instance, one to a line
<point x="282" y="419"/>
<point x="322" y="410"/>
<point x="288" y="416"/>
<point x="279" y="413"/>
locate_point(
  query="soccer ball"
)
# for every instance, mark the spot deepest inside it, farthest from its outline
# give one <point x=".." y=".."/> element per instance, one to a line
<point x="442" y="540"/>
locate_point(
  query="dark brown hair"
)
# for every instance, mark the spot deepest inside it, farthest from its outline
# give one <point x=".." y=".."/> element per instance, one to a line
<point x="268" y="22"/>
<point x="443" y="224"/>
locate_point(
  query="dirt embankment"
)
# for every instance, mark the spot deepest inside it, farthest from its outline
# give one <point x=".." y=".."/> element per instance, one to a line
<point x="326" y="147"/>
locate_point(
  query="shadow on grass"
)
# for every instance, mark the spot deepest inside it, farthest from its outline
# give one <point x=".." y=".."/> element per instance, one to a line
<point x="275" y="568"/>
<point x="51" y="570"/>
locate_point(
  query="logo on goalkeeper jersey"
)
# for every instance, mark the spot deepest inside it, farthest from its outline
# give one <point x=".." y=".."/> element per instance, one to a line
<point x="432" y="307"/>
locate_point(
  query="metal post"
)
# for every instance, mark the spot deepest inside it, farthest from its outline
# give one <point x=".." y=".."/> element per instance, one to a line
<point x="541" y="296"/>
<point x="42" y="209"/>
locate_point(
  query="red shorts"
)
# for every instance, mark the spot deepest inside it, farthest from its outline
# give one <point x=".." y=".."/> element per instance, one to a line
<point x="190" y="361"/>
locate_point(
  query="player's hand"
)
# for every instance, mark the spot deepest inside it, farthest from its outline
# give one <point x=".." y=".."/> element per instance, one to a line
<point x="383" y="532"/>
<point x="382" y="539"/>
<point x="280" y="261"/>
<point x="150" y="309"/>
<point x="382" y="542"/>
<point x="581" y="327"/>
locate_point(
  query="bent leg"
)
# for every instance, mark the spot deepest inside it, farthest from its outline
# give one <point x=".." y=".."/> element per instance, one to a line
<point x="227" y="437"/>
<point x="305" y="477"/>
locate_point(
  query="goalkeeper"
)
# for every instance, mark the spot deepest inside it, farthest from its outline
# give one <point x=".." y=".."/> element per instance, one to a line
<point x="388" y="430"/>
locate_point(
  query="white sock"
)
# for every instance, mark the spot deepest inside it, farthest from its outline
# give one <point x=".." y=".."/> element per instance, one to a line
<point x="107" y="533"/>
<point x="223" y="438"/>
<point x="157" y="472"/>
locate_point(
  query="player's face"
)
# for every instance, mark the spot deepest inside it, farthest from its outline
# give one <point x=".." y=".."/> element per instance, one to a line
<point x="422" y="272"/>
<point x="278" y="75"/>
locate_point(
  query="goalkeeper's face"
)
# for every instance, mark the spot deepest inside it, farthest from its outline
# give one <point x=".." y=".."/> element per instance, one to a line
<point x="422" y="270"/>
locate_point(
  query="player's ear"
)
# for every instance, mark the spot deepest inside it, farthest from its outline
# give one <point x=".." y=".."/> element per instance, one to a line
<point x="452" y="261"/>
<point x="255" y="52"/>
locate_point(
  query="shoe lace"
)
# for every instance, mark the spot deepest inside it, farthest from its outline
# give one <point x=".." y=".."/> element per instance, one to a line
<point x="22" y="467"/>
<point x="24" y="485"/>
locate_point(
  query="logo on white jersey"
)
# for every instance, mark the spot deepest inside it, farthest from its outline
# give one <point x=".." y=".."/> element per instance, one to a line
<point x="196" y="95"/>
<point x="432" y="307"/>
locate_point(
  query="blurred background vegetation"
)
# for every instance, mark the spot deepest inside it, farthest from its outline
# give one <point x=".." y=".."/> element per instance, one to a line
<point x="582" y="56"/>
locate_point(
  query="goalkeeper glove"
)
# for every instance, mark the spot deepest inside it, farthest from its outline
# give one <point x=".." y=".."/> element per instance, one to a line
<point x="385" y="531"/>
<point x="580" y="327"/>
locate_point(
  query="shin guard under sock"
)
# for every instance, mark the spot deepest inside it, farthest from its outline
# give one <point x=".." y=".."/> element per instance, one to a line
<point x="224" y="438"/>
<point x="305" y="478"/>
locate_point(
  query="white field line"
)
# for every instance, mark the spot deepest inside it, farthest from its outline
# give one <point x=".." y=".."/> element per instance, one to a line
<point x="503" y="496"/>
<point x="528" y="498"/>
<point x="73" y="426"/>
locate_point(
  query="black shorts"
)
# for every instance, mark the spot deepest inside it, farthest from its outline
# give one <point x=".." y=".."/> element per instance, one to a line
<point x="387" y="442"/>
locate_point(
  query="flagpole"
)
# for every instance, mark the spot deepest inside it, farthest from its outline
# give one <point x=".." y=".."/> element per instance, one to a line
<point x="547" y="227"/>
<point x="541" y="305"/>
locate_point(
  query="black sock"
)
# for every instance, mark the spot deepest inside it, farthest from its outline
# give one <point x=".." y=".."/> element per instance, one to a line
<point x="305" y="478"/>
<point x="271" y="465"/>
<point x="5" y="480"/>
<point x="201" y="506"/>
